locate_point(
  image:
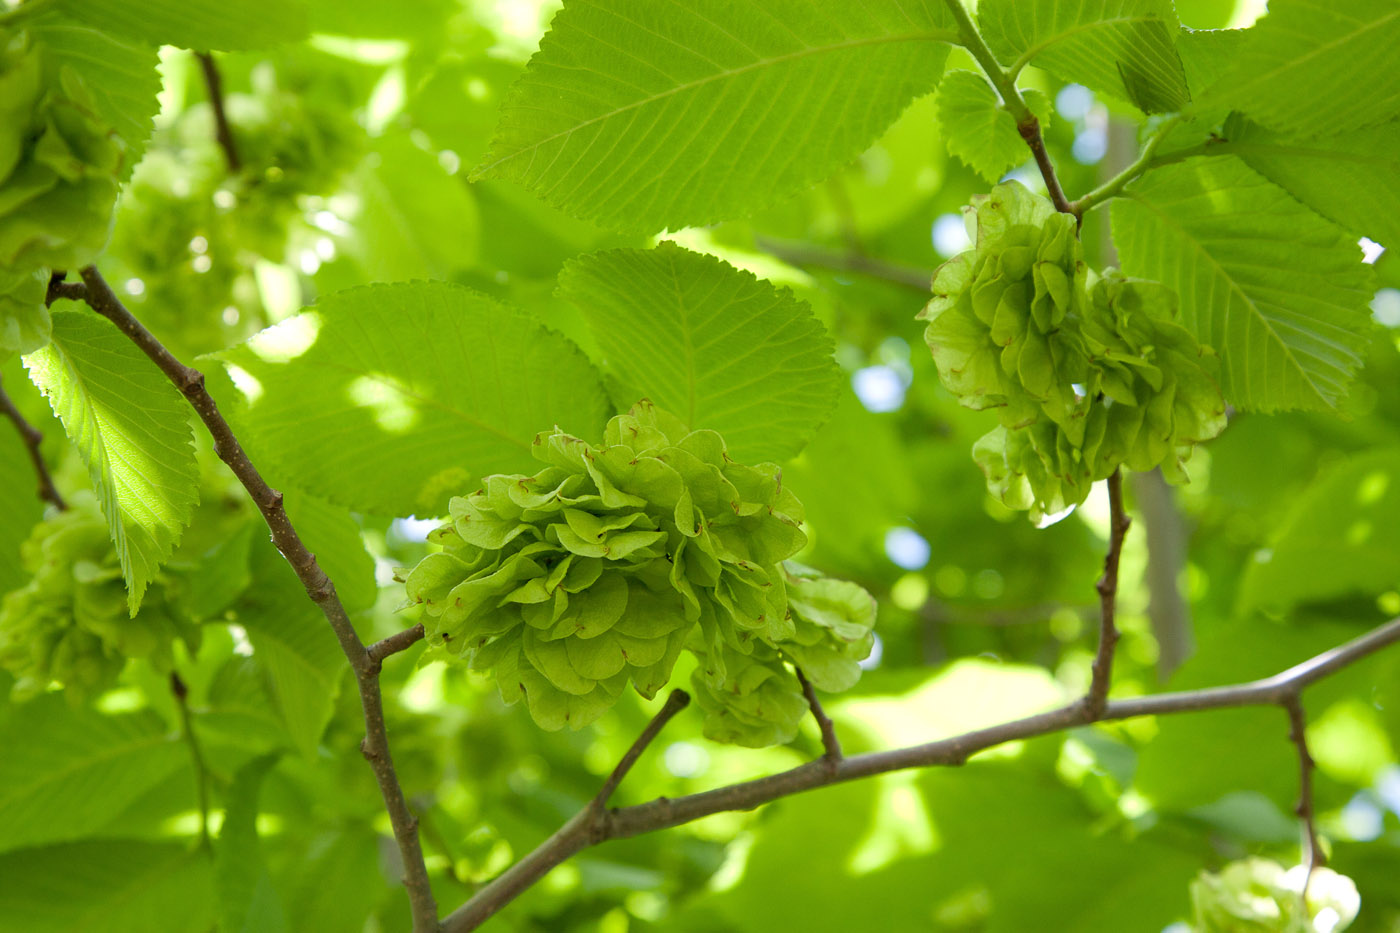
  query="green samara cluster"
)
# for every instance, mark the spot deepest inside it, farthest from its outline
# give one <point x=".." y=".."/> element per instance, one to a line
<point x="70" y="625"/>
<point x="1257" y="895"/>
<point x="1085" y="372"/>
<point x="59" y="165"/>
<point x="603" y="567"/>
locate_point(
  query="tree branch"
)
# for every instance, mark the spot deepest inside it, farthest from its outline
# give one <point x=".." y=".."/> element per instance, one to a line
<point x="399" y="641"/>
<point x="32" y="438"/>
<point x="201" y="772"/>
<point x="588" y="828"/>
<point x="1027" y="124"/>
<point x="222" y="131"/>
<point x="1117" y="183"/>
<point x="100" y="297"/>
<point x="804" y="255"/>
<point x="1107" y="586"/>
<point x="1297" y="733"/>
<point x="830" y="743"/>
<point x="677" y="701"/>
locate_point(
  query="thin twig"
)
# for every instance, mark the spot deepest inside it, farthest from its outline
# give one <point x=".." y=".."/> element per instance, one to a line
<point x="1027" y="124"/>
<point x="831" y="745"/>
<point x="32" y="438"/>
<point x="1298" y="734"/>
<point x="804" y="255"/>
<point x="1107" y="587"/>
<point x="588" y="827"/>
<point x="222" y="131"/>
<point x="399" y="641"/>
<point x="677" y="701"/>
<point x="201" y="771"/>
<point x="1117" y="183"/>
<point x="319" y="588"/>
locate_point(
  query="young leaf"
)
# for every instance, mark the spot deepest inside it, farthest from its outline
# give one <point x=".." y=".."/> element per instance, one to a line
<point x="68" y="772"/>
<point x="293" y="646"/>
<point x="119" y="73"/>
<point x="1317" y="67"/>
<point x="205" y="25"/>
<point x="1342" y="538"/>
<point x="131" y="428"/>
<point x="977" y="130"/>
<point x="1279" y="292"/>
<point x="112" y="885"/>
<point x="640" y="116"/>
<point x="1352" y="178"/>
<point x="713" y="345"/>
<point x="377" y="396"/>
<point x="247" y="900"/>
<point x="1118" y="47"/>
<point x="415" y="220"/>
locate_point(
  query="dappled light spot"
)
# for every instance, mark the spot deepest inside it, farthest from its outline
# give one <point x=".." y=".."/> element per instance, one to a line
<point x="907" y="548"/>
<point x="879" y="388"/>
<point x="901" y="828"/>
<point x="251" y="386"/>
<point x="288" y="340"/>
<point x="393" y="409"/>
<point x="1372" y="487"/>
<point x="910" y="592"/>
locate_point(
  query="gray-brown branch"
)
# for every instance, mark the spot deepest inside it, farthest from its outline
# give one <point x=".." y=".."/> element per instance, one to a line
<point x="1298" y="735"/>
<point x="319" y="588"/>
<point x="1102" y="672"/>
<point x="223" y="132"/>
<point x="591" y="826"/>
<point x="32" y="438"/>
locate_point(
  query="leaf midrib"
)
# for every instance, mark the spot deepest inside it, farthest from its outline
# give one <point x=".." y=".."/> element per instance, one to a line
<point x="1235" y="287"/>
<point x="938" y="35"/>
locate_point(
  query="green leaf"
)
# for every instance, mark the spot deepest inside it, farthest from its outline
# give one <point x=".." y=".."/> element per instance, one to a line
<point x="1279" y="292"/>
<point x="332" y="535"/>
<point x="977" y="130"/>
<point x="1352" y="179"/>
<point x="247" y="900"/>
<point x="119" y="74"/>
<point x="293" y="646"/>
<point x="640" y="115"/>
<point x="130" y="426"/>
<point x="1119" y="47"/>
<point x="1317" y="67"/>
<point x="68" y="772"/>
<point x="206" y="25"/>
<point x="427" y="383"/>
<point x="118" y="886"/>
<point x="415" y="220"/>
<point x="1342" y="538"/>
<point x="716" y="347"/>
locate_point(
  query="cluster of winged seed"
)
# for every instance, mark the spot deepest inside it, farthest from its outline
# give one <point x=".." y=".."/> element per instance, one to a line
<point x="1085" y="372"/>
<point x="69" y="624"/>
<point x="603" y="567"/>
<point x="59" y="165"/>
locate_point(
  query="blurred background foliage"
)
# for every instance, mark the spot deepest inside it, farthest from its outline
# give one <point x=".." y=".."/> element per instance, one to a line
<point x="355" y="148"/>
